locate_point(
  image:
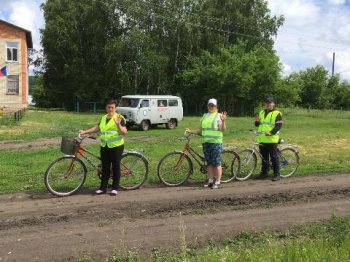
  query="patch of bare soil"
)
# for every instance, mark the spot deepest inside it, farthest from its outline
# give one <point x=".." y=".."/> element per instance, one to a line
<point x="43" y="143"/>
<point x="39" y="227"/>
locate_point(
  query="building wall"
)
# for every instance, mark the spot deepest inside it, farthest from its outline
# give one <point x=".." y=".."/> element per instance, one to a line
<point x="20" y="68"/>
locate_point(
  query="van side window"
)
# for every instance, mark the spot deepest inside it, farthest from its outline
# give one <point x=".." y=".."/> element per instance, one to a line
<point x="145" y="103"/>
<point x="173" y="103"/>
<point x="162" y="103"/>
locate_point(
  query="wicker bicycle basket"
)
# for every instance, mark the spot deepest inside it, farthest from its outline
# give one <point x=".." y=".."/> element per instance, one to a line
<point x="69" y="146"/>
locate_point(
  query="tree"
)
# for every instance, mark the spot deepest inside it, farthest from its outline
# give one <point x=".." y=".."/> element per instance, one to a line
<point x="239" y="79"/>
<point x="95" y="49"/>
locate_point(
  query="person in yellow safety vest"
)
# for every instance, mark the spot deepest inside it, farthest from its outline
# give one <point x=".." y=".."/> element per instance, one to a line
<point x="212" y="126"/>
<point x="112" y="129"/>
<point x="269" y="123"/>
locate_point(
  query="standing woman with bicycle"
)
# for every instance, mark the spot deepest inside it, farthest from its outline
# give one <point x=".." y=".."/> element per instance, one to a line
<point x="112" y="128"/>
<point x="212" y="126"/>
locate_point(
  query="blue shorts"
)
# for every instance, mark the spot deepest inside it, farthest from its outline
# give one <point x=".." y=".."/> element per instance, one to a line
<point x="212" y="153"/>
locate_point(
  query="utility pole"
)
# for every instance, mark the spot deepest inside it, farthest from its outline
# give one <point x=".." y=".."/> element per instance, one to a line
<point x="333" y="64"/>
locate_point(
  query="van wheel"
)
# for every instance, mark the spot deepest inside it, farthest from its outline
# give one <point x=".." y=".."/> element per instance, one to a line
<point x="171" y="124"/>
<point x="145" y="125"/>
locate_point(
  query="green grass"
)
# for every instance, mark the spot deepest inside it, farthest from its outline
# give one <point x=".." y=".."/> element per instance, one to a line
<point x="322" y="138"/>
<point x="328" y="241"/>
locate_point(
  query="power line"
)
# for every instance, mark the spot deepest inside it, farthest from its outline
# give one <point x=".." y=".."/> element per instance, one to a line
<point x="230" y="31"/>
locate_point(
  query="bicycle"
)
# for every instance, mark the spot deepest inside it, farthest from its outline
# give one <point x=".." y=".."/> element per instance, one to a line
<point x="288" y="157"/>
<point x="67" y="174"/>
<point x="175" y="168"/>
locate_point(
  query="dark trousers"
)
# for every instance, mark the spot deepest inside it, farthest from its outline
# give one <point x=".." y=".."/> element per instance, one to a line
<point x="268" y="151"/>
<point x="111" y="156"/>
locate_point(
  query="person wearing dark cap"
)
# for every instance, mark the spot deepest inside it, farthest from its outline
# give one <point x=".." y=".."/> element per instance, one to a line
<point x="269" y="123"/>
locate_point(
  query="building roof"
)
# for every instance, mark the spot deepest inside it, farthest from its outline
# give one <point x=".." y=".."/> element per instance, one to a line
<point x="28" y="33"/>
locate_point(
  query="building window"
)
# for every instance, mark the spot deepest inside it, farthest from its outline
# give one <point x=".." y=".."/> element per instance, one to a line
<point x="12" y="85"/>
<point x="12" y="51"/>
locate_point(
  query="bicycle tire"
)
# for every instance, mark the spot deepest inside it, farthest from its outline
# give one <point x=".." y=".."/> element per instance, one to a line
<point x="59" y="168"/>
<point x="134" y="170"/>
<point x="230" y="165"/>
<point x="173" y="177"/>
<point x="289" y="162"/>
<point x="249" y="161"/>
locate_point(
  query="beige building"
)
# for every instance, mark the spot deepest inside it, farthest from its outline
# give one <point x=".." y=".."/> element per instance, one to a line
<point x="14" y="44"/>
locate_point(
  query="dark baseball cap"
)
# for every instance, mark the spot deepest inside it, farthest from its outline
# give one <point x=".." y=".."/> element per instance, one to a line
<point x="269" y="100"/>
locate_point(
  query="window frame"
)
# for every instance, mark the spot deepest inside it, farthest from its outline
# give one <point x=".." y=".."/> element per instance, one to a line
<point x="11" y="78"/>
<point x="15" y="46"/>
<point x="162" y="100"/>
<point x="175" y="101"/>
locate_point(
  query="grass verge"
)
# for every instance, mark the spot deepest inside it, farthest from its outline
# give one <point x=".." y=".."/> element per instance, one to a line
<point x="321" y="136"/>
<point x="328" y="241"/>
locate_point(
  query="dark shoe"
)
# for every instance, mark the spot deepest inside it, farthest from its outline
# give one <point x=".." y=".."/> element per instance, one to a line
<point x="276" y="178"/>
<point x="209" y="185"/>
<point x="261" y="177"/>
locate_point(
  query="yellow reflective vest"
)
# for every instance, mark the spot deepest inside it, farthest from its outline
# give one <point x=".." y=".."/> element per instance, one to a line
<point x="266" y="125"/>
<point x="210" y="129"/>
<point x="109" y="132"/>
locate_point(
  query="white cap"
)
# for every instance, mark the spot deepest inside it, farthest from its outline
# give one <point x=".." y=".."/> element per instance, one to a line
<point x="213" y="101"/>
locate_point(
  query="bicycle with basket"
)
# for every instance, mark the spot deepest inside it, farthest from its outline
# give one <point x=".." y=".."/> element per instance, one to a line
<point x="67" y="174"/>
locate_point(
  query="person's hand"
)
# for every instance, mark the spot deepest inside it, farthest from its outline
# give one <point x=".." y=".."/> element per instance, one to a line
<point x="268" y="134"/>
<point x="257" y="118"/>
<point x="118" y="121"/>
<point x="81" y="132"/>
<point x="223" y="116"/>
<point x="188" y="130"/>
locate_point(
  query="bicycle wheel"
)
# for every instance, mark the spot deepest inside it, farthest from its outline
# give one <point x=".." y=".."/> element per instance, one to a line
<point x="289" y="161"/>
<point x="174" y="169"/>
<point x="133" y="170"/>
<point x="65" y="176"/>
<point x="230" y="164"/>
<point x="249" y="162"/>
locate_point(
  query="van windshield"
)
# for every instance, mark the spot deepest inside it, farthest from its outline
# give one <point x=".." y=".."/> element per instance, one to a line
<point x="129" y="102"/>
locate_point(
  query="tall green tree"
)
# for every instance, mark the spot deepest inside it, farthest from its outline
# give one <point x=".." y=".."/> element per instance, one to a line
<point x="94" y="49"/>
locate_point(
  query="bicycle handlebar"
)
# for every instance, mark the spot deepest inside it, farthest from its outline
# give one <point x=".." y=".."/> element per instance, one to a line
<point x="82" y="137"/>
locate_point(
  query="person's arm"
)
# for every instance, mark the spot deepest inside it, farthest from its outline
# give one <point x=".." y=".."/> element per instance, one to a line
<point x="257" y="120"/>
<point x="196" y="131"/>
<point x="120" y="123"/>
<point x="223" y="118"/>
<point x="278" y="125"/>
<point x="94" y="129"/>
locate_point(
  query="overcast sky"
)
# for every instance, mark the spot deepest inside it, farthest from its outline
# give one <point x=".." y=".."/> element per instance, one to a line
<point x="312" y="31"/>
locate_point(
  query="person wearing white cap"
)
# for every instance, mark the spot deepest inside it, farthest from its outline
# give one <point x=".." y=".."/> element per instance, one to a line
<point x="212" y="126"/>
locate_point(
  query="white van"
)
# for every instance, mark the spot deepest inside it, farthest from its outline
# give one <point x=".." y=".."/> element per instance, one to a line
<point x="151" y="110"/>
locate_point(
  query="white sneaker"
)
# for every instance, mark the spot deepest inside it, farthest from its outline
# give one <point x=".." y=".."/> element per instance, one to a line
<point x="114" y="192"/>
<point x="99" y="192"/>
<point x="215" y="186"/>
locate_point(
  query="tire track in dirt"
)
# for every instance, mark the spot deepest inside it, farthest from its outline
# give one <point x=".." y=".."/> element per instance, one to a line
<point x="32" y="226"/>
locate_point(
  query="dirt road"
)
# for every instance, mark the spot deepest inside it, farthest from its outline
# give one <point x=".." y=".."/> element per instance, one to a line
<point x="44" y="228"/>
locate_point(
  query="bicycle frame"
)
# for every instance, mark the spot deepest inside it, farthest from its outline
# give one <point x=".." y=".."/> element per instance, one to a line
<point x="188" y="150"/>
<point x="82" y="152"/>
<point x="255" y="149"/>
